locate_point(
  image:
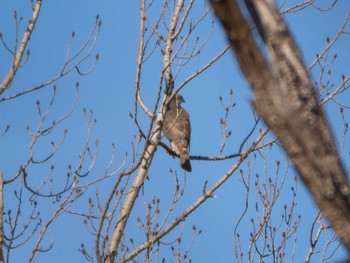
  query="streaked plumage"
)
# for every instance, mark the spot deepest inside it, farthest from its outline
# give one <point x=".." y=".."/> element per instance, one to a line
<point x="177" y="130"/>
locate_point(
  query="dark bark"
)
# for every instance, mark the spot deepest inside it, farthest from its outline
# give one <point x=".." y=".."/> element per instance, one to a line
<point x="287" y="102"/>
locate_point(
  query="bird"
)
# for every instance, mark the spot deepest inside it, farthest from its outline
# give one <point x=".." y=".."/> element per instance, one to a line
<point x="177" y="129"/>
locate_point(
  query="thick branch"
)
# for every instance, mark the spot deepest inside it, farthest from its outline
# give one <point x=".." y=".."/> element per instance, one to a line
<point x="287" y="102"/>
<point x="22" y="47"/>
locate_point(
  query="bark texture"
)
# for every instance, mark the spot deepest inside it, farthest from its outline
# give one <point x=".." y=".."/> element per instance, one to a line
<point x="287" y="102"/>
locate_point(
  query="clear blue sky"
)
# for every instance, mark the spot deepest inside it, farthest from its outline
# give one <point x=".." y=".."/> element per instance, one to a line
<point x="109" y="92"/>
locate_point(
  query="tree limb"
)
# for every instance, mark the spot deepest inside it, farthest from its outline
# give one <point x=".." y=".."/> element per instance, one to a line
<point x="22" y="47"/>
<point x="287" y="102"/>
<point x="206" y="194"/>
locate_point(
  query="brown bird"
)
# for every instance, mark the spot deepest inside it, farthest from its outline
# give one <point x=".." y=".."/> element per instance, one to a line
<point x="177" y="130"/>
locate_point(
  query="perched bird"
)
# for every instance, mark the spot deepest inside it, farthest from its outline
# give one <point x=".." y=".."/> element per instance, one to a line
<point x="177" y="130"/>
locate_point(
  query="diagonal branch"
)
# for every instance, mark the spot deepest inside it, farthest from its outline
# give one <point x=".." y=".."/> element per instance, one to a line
<point x="22" y="47"/>
<point x="287" y="102"/>
<point x="206" y="195"/>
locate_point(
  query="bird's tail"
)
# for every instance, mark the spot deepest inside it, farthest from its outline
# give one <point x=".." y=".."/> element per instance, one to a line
<point x="181" y="148"/>
<point x="186" y="165"/>
<point x="185" y="161"/>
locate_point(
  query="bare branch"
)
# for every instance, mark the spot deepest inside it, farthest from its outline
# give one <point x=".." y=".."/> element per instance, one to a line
<point x="22" y="47"/>
<point x="331" y="43"/>
<point x="207" y="194"/>
<point x="72" y="63"/>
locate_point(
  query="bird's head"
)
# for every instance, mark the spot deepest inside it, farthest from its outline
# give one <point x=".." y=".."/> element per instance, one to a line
<point x="179" y="99"/>
<point x="176" y="101"/>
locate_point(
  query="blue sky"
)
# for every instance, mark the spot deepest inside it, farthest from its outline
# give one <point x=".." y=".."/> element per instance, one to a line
<point x="109" y="92"/>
